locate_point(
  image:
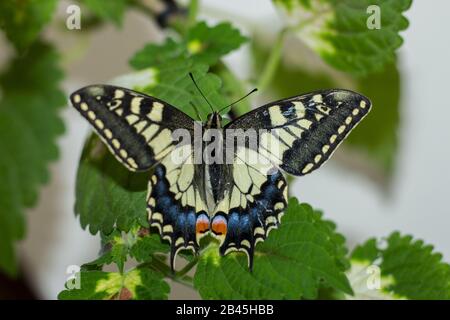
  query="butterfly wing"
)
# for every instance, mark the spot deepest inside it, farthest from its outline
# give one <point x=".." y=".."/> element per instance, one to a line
<point x="136" y="128"/>
<point x="305" y="129"/>
<point x="252" y="205"/>
<point x="298" y="135"/>
<point x="175" y="202"/>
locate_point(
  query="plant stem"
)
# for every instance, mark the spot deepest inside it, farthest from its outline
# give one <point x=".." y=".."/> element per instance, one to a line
<point x="273" y="61"/>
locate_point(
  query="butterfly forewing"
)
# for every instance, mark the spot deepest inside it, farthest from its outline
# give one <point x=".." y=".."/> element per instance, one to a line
<point x="137" y="128"/>
<point x="303" y="131"/>
<point x="252" y="206"/>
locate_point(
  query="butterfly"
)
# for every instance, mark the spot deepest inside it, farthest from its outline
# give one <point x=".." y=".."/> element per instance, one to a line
<point x="238" y="201"/>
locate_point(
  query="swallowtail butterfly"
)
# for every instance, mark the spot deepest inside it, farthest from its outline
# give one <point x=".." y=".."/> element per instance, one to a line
<point x="240" y="201"/>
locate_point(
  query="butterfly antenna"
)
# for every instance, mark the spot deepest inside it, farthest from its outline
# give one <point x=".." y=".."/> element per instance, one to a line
<point x="238" y="100"/>
<point x="198" y="88"/>
<point x="196" y="111"/>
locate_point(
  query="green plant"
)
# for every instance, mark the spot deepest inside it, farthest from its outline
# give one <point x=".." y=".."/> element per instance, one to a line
<point x="306" y="257"/>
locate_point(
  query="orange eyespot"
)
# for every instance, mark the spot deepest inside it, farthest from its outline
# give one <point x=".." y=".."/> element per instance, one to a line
<point x="202" y="224"/>
<point x="219" y="225"/>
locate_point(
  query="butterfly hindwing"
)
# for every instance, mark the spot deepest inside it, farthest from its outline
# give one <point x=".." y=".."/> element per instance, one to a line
<point x="303" y="131"/>
<point x="136" y="128"/>
<point x="175" y="204"/>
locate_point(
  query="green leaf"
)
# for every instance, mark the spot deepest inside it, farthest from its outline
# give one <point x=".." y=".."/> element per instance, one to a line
<point x="408" y="260"/>
<point x="368" y="283"/>
<point x="107" y="194"/>
<point x="12" y="222"/>
<point x="156" y="54"/>
<point x="29" y="125"/>
<point x="338" y="30"/>
<point x="304" y="254"/>
<point x="136" y="284"/>
<point x="23" y="20"/>
<point x="410" y="268"/>
<point x="112" y="11"/>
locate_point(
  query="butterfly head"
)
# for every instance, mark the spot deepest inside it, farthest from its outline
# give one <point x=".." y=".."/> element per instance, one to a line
<point x="214" y="121"/>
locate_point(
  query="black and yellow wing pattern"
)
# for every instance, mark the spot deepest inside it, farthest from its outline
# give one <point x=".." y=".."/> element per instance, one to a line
<point x="138" y="130"/>
<point x="298" y="135"/>
<point x="303" y="131"/>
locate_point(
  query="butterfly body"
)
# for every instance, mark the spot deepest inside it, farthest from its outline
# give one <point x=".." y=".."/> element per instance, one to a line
<point x="228" y="180"/>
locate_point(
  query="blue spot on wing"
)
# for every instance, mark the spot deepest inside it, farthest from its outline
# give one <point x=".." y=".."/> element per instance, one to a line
<point x="242" y="222"/>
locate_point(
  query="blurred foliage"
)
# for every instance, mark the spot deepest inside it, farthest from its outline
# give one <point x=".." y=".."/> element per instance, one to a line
<point x="29" y="126"/>
<point x="107" y="194"/>
<point x="112" y="11"/>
